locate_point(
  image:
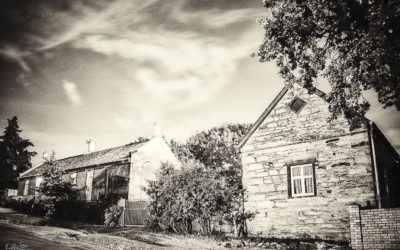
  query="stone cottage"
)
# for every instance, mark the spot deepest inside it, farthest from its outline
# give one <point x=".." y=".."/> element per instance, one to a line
<point x="302" y="171"/>
<point x="123" y="170"/>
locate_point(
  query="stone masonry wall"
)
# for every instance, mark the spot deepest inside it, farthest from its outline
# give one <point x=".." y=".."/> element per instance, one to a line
<point x="374" y="228"/>
<point x="343" y="172"/>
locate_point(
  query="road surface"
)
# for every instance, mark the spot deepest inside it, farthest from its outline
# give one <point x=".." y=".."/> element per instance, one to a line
<point x="12" y="238"/>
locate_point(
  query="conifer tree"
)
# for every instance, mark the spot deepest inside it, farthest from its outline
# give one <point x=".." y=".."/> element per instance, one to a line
<point x="15" y="157"/>
<point x="54" y="188"/>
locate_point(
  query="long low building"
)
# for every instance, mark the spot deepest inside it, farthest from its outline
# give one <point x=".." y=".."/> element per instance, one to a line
<point x="123" y="170"/>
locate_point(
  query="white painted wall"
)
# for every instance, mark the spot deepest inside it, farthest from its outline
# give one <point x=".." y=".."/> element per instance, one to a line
<point x="145" y="164"/>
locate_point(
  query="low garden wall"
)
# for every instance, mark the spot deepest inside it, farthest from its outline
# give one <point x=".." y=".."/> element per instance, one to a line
<point x="374" y="228"/>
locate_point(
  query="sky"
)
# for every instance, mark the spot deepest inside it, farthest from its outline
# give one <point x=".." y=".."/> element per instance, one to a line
<point x="108" y="70"/>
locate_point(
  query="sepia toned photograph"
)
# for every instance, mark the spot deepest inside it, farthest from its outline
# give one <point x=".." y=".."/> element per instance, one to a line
<point x="199" y="124"/>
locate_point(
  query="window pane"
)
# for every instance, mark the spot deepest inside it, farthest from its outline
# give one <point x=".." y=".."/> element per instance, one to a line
<point x="31" y="187"/>
<point x="296" y="171"/>
<point x="297" y="186"/>
<point x="309" y="185"/>
<point x="308" y="170"/>
<point x="99" y="184"/>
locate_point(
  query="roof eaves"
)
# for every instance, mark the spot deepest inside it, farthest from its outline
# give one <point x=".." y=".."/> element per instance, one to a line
<point x="266" y="112"/>
<point x="384" y="138"/>
<point x="29" y="170"/>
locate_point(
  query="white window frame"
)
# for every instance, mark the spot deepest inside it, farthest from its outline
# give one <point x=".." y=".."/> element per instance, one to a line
<point x="26" y="187"/>
<point x="302" y="178"/>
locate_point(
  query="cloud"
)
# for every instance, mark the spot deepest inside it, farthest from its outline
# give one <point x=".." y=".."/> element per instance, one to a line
<point x="17" y="56"/>
<point x="72" y="92"/>
<point x="88" y="20"/>
<point x="181" y="67"/>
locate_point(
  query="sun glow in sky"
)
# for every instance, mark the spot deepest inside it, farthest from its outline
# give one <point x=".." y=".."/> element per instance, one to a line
<point x="107" y="70"/>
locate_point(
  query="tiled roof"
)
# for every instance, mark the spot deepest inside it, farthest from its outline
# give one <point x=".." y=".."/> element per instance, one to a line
<point x="90" y="159"/>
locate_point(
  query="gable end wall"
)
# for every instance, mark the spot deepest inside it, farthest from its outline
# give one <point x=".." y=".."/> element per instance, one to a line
<point x="343" y="172"/>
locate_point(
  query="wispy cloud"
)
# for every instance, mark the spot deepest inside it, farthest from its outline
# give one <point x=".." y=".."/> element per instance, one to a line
<point x="181" y="66"/>
<point x="17" y="56"/>
<point x="89" y="20"/>
<point x="72" y="92"/>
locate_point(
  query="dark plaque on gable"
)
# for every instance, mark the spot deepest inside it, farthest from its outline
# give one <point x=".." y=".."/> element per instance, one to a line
<point x="297" y="105"/>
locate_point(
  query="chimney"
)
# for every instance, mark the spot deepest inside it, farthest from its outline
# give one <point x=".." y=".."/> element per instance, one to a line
<point x="45" y="156"/>
<point x="91" y="145"/>
<point x="156" y="130"/>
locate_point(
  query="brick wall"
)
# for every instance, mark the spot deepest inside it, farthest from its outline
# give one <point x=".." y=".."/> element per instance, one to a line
<point x="343" y="172"/>
<point x="374" y="228"/>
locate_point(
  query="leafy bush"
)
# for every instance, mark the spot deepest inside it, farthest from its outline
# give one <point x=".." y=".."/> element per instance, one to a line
<point x="178" y="198"/>
<point x="112" y="215"/>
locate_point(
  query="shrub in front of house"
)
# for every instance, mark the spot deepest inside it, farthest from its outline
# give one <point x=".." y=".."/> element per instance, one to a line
<point x="192" y="199"/>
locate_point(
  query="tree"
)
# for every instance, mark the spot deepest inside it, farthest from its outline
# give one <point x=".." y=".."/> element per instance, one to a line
<point x="15" y="157"/>
<point x="208" y="187"/>
<point x="53" y="188"/>
<point x="216" y="148"/>
<point x="354" y="44"/>
<point x="141" y="139"/>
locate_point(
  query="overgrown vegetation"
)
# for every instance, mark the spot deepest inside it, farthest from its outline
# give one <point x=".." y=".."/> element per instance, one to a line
<point x="112" y="215"/>
<point x="75" y="210"/>
<point x="207" y="190"/>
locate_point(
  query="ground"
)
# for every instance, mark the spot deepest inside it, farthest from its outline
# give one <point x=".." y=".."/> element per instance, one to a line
<point x="20" y="231"/>
<point x="16" y="228"/>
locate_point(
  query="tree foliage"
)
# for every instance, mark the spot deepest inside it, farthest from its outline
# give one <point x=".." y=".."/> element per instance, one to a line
<point x="54" y="188"/>
<point x="207" y="189"/>
<point x="217" y="149"/>
<point x="15" y="157"/>
<point x="354" y="44"/>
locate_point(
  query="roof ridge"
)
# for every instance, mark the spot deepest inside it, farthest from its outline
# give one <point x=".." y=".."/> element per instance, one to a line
<point x="103" y="150"/>
<point x="93" y="158"/>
